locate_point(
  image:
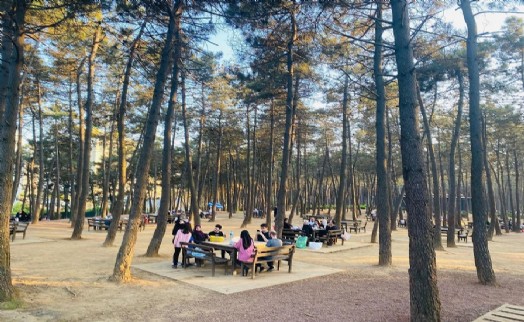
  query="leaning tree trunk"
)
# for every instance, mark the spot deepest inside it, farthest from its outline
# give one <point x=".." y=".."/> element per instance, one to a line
<point x="383" y="211"/>
<point x="424" y="295"/>
<point x="12" y="53"/>
<point x="79" y="220"/>
<point x="160" y="230"/>
<point x="450" y="241"/>
<point x="119" y="203"/>
<point x="122" y="269"/>
<point x="485" y="272"/>
<point x="437" y="239"/>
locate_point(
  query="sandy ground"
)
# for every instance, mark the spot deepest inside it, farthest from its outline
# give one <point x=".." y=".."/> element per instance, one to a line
<point x="63" y="280"/>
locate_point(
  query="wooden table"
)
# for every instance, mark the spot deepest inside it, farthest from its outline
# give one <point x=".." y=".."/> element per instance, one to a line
<point x="225" y="247"/>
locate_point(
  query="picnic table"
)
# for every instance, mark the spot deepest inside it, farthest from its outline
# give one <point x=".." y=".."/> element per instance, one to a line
<point x="227" y="248"/>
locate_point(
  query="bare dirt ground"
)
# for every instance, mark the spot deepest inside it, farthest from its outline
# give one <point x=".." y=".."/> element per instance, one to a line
<point x="63" y="280"/>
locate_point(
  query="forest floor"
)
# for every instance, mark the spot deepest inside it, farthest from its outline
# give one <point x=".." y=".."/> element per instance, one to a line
<point x="63" y="280"/>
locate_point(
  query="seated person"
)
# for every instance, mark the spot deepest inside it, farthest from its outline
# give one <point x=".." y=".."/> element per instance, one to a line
<point x="331" y="225"/>
<point x="198" y="235"/>
<point x="307" y="230"/>
<point x="217" y="231"/>
<point x="313" y="222"/>
<point x="263" y="233"/>
<point x="246" y="248"/>
<point x="287" y="225"/>
<point x="272" y="242"/>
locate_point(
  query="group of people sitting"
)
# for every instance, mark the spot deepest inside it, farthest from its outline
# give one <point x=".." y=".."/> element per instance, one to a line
<point x="246" y="246"/>
<point x="182" y="232"/>
<point x="322" y="227"/>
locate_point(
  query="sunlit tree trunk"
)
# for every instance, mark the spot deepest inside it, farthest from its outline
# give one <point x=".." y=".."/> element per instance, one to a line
<point x="12" y="53"/>
<point x="122" y="167"/>
<point x="79" y="222"/>
<point x="160" y="230"/>
<point x="122" y="269"/>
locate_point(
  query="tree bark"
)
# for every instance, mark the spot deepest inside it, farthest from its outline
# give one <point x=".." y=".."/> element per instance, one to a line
<point x="122" y="167"/>
<point x="450" y="240"/>
<point x="437" y="239"/>
<point x="424" y="295"/>
<point x="383" y="211"/>
<point x="485" y="272"/>
<point x="281" y="196"/>
<point x="160" y="230"/>
<point x="122" y="269"/>
<point x="12" y="53"/>
<point x="79" y="222"/>
<point x="189" y="160"/>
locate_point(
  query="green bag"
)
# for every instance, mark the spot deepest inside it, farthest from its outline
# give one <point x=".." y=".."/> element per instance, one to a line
<point x="301" y="242"/>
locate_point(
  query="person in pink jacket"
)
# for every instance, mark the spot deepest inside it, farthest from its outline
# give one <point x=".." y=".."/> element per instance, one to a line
<point x="182" y="235"/>
<point x="246" y="248"/>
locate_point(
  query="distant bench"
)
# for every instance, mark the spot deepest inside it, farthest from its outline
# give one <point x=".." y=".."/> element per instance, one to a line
<point x="15" y="228"/>
<point x="332" y="237"/>
<point x="264" y="254"/>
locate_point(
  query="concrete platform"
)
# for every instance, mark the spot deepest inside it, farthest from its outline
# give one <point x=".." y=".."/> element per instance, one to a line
<point x="229" y="284"/>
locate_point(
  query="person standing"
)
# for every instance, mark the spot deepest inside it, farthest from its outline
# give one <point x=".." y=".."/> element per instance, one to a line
<point x="182" y="235"/>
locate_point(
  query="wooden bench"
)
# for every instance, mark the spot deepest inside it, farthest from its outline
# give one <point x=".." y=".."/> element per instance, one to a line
<point x="290" y="235"/>
<point x="463" y="235"/>
<point x="332" y="237"/>
<point x="18" y="228"/>
<point x="264" y="254"/>
<point x="201" y="252"/>
<point x="403" y="223"/>
<point x="357" y="227"/>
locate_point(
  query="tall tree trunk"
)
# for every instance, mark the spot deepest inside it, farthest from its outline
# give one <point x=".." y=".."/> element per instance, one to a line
<point x="160" y="230"/>
<point x="188" y="159"/>
<point x="341" y="193"/>
<point x="424" y="297"/>
<point x="81" y="140"/>
<point x="79" y="222"/>
<point x="217" y="169"/>
<point x="516" y="222"/>
<point x="269" y="195"/>
<point x="12" y="53"/>
<point x="383" y="211"/>
<point x="485" y="272"/>
<point x="437" y="239"/>
<point x="107" y="168"/>
<point x="18" y="154"/>
<point x="119" y="203"/>
<point x="40" y="189"/>
<point x="122" y="269"/>
<point x="450" y="241"/>
<point x="71" y="174"/>
<point x="489" y="183"/>
<point x="281" y="197"/>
